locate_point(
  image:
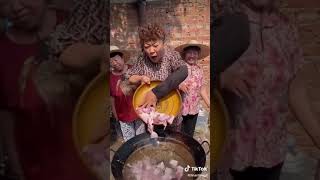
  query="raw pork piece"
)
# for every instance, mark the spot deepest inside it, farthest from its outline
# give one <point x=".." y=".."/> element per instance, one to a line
<point x="168" y="172"/>
<point x="151" y="117"/>
<point x="179" y="172"/>
<point x="161" y="166"/>
<point x="148" y="169"/>
<point x="173" y="163"/>
<point x="157" y="171"/>
<point x="154" y="135"/>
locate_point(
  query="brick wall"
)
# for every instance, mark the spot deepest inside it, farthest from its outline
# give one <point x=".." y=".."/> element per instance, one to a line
<point x="183" y="20"/>
<point x="189" y="19"/>
<point x="308" y="22"/>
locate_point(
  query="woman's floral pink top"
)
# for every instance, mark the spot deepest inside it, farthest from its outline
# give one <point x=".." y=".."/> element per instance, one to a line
<point x="194" y="82"/>
<point x="258" y="138"/>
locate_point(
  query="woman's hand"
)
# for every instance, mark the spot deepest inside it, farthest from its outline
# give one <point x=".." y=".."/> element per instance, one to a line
<point x="236" y="83"/>
<point x="137" y="79"/>
<point x="150" y="100"/>
<point x="183" y="87"/>
<point x="145" y="80"/>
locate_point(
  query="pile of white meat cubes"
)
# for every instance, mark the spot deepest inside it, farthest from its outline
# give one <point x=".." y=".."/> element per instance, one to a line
<point x="149" y="170"/>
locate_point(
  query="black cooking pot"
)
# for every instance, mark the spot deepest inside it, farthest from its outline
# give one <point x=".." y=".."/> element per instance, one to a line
<point x="169" y="145"/>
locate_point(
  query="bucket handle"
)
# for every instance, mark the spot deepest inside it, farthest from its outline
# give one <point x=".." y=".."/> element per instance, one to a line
<point x="206" y="142"/>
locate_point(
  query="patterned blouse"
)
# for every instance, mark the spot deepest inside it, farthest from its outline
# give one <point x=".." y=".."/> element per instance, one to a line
<point x="194" y="82"/>
<point x="271" y="61"/>
<point x="157" y="71"/>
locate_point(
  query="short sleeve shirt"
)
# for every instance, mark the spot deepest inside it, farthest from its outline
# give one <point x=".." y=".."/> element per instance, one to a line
<point x="194" y="82"/>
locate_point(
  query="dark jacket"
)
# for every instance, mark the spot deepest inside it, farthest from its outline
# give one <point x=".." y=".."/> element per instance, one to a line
<point x="230" y="38"/>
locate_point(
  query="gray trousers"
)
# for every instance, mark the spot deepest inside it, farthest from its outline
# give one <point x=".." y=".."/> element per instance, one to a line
<point x="129" y="130"/>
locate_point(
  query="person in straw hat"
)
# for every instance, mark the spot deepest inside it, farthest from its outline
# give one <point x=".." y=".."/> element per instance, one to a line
<point x="121" y="104"/>
<point x="191" y="52"/>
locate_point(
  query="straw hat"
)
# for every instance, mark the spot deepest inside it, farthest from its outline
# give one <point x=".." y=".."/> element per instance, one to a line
<point x="204" y="49"/>
<point x="126" y="54"/>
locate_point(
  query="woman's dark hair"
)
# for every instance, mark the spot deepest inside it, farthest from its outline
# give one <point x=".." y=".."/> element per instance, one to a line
<point x="151" y="32"/>
<point x="116" y="53"/>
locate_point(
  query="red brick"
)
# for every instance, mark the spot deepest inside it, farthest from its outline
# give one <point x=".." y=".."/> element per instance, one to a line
<point x="183" y="20"/>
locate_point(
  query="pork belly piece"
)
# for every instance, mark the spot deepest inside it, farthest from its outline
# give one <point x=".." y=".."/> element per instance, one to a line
<point x="173" y="163"/>
<point x="151" y="117"/>
<point x="179" y="172"/>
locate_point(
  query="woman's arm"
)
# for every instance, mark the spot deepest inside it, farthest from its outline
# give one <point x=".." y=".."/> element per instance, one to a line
<point x="205" y="96"/>
<point x="82" y="55"/>
<point x="300" y="104"/>
<point x="135" y="79"/>
<point x="164" y="88"/>
<point x="172" y="82"/>
<point x="113" y="107"/>
<point x="132" y="78"/>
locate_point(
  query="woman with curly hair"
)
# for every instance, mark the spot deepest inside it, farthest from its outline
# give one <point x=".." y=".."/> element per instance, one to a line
<point x="157" y="62"/>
